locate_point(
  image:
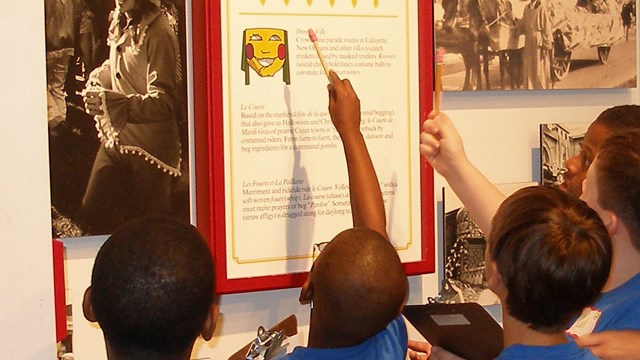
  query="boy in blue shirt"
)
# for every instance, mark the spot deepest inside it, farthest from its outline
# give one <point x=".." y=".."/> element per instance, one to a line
<point x="548" y="257"/>
<point x="619" y="306"/>
<point x="357" y="286"/>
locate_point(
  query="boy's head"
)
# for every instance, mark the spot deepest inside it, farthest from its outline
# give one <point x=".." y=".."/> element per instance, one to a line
<point x="620" y="118"/>
<point x="612" y="185"/>
<point x="611" y="121"/>
<point x="357" y="286"/>
<point x="152" y="289"/>
<point x="548" y="257"/>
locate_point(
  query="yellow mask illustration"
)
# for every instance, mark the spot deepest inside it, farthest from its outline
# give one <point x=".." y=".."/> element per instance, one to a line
<point x="265" y="50"/>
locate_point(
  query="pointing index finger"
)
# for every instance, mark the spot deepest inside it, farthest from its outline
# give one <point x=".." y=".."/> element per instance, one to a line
<point x="334" y="77"/>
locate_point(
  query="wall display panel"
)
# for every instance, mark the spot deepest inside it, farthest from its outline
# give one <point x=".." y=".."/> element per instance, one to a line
<point x="494" y="44"/>
<point x="277" y="179"/>
<point x="118" y="114"/>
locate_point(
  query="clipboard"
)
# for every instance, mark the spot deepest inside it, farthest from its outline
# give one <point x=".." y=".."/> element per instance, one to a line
<point x="465" y="329"/>
<point x="289" y="326"/>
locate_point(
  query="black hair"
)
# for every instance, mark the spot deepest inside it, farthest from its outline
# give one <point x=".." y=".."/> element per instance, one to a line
<point x="153" y="286"/>
<point x="359" y="286"/>
<point x="141" y="8"/>
<point x="619" y="118"/>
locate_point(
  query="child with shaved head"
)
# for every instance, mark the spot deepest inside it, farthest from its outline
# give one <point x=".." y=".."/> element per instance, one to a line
<point x="357" y="286"/>
<point x="152" y="290"/>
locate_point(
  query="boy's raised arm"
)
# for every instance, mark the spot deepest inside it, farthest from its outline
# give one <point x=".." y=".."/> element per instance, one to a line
<point x="366" y="199"/>
<point x="441" y="145"/>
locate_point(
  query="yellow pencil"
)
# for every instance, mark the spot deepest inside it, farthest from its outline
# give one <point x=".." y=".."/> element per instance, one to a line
<point x="438" y="79"/>
<point x="314" y="40"/>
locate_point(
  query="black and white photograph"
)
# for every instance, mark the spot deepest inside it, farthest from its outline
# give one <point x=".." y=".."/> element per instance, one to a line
<point x="116" y="112"/>
<point x="536" y="44"/>
<point x="463" y="252"/>
<point x="558" y="142"/>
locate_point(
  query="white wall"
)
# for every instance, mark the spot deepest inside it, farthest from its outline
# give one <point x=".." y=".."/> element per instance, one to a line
<point x="26" y="276"/>
<point x="500" y="131"/>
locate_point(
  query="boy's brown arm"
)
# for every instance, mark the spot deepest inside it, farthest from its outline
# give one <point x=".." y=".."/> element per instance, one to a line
<point x="366" y="199"/>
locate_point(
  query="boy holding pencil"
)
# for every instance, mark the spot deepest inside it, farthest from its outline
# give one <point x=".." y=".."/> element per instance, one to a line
<point x="357" y="286"/>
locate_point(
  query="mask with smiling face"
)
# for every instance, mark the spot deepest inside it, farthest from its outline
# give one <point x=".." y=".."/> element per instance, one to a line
<point x="265" y="51"/>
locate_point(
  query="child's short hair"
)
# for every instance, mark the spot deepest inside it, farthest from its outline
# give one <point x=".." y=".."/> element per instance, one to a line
<point x="620" y="118"/>
<point x="152" y="286"/>
<point x="553" y="254"/>
<point x="359" y="285"/>
<point x="618" y="179"/>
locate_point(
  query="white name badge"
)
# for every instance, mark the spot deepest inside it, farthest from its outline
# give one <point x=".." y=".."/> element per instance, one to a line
<point x="585" y="323"/>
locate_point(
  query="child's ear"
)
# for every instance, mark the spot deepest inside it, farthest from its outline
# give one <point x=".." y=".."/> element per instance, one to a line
<point x="612" y="223"/>
<point x="494" y="279"/>
<point x="209" y="325"/>
<point x="306" y="292"/>
<point x="87" y="307"/>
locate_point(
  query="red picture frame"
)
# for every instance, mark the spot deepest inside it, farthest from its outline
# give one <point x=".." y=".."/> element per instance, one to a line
<point x="59" y="296"/>
<point x="209" y="148"/>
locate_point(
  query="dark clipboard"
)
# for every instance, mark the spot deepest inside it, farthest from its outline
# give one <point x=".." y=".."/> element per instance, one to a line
<point x="465" y="329"/>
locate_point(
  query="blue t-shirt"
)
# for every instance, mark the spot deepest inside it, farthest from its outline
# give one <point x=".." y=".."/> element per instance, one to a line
<point x="567" y="351"/>
<point x="619" y="309"/>
<point x="390" y="343"/>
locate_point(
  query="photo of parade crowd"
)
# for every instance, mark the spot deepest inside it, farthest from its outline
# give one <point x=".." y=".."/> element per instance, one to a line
<point x="536" y="44"/>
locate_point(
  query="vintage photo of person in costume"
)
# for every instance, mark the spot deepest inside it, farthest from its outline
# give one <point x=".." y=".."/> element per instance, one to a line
<point x="121" y="149"/>
<point x="463" y="251"/>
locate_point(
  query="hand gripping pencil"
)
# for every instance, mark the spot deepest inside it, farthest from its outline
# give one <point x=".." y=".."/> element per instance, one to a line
<point x="438" y="79"/>
<point x="314" y="40"/>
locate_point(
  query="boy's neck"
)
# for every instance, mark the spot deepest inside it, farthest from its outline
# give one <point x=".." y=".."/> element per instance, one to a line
<point x="625" y="262"/>
<point x="319" y="341"/>
<point x="113" y="354"/>
<point x="517" y="332"/>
